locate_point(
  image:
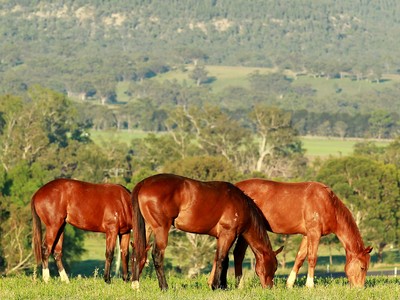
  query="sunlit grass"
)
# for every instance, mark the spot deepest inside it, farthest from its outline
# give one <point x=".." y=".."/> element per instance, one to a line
<point x="25" y="287"/>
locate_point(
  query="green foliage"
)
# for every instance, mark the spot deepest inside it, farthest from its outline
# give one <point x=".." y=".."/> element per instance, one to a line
<point x="313" y="58"/>
<point x="205" y="168"/>
<point x="371" y="191"/>
<point x="41" y="140"/>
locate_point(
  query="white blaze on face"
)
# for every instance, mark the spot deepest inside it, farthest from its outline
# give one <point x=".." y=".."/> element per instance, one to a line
<point x="236" y="217"/>
<point x="116" y="215"/>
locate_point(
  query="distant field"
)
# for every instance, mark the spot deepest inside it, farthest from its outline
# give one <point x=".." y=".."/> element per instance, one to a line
<point x="124" y="136"/>
<point x="224" y="76"/>
<point x="322" y="147"/>
<point x="315" y="146"/>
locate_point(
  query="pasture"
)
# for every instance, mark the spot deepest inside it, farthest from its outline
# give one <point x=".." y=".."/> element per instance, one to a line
<point x="314" y="146"/>
<point x="228" y="76"/>
<point x="27" y="287"/>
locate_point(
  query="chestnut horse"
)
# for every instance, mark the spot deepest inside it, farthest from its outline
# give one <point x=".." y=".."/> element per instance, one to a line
<point x="216" y="208"/>
<point x="310" y="209"/>
<point x="94" y="207"/>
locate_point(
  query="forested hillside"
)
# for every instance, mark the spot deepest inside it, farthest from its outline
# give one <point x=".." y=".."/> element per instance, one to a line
<point x="107" y="52"/>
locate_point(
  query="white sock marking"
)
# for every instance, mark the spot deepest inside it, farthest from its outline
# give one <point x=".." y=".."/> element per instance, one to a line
<point x="46" y="275"/>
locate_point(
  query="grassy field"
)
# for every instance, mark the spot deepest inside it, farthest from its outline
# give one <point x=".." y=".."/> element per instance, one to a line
<point x="315" y="146"/>
<point x="228" y="76"/>
<point x="24" y="287"/>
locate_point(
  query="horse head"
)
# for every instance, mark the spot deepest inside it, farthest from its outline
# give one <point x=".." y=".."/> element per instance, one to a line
<point x="357" y="266"/>
<point x="266" y="271"/>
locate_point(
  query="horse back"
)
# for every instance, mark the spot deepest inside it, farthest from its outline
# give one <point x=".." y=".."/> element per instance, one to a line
<point x="192" y="205"/>
<point x="88" y="206"/>
<point x="292" y="207"/>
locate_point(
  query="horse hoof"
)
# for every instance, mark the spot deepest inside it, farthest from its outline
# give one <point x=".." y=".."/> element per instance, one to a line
<point x="135" y="285"/>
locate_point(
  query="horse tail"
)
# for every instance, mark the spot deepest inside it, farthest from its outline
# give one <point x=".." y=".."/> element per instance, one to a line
<point x="139" y="235"/>
<point x="37" y="234"/>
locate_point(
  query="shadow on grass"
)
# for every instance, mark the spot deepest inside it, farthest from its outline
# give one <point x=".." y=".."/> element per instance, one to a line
<point x="88" y="268"/>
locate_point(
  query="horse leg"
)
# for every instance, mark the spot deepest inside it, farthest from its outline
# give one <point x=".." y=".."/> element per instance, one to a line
<point x="238" y="254"/>
<point x="300" y="257"/>
<point x="111" y="237"/>
<point x="224" y="243"/>
<point x="312" y="249"/>
<point x="160" y="243"/>
<point x="211" y="277"/>
<point x="57" y="254"/>
<point x="124" y="246"/>
<point x="224" y="272"/>
<point x="47" y="249"/>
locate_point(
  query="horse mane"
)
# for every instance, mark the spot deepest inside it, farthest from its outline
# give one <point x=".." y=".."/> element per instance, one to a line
<point x="256" y="214"/>
<point x="346" y="222"/>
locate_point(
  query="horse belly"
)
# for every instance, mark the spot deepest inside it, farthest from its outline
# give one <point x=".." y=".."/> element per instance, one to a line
<point x="285" y="221"/>
<point x="193" y="223"/>
<point x="94" y="224"/>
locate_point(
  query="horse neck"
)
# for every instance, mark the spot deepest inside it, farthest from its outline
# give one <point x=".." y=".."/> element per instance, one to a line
<point x="347" y="231"/>
<point x="257" y="237"/>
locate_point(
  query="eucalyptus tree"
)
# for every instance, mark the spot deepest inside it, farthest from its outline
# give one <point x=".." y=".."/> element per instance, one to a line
<point x="40" y="139"/>
<point x="278" y="150"/>
<point x="370" y="189"/>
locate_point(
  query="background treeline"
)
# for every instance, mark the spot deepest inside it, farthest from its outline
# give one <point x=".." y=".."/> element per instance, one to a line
<point x="104" y="51"/>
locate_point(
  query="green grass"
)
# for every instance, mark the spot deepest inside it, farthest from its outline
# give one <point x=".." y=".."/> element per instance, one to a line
<point x="26" y="287"/>
<point x="124" y="136"/>
<point x="223" y="76"/>
<point x="226" y="76"/>
<point x="315" y="146"/>
<point x="323" y="147"/>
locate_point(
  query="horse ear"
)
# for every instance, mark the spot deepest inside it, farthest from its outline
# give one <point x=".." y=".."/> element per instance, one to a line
<point x="278" y="251"/>
<point x="368" y="249"/>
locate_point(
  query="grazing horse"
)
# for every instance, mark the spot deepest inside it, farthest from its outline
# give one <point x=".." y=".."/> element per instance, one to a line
<point x="94" y="207"/>
<point x="215" y="208"/>
<point x="310" y="209"/>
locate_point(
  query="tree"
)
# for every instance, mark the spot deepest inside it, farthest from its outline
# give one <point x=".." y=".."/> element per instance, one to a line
<point x="40" y="141"/>
<point x="275" y="84"/>
<point x="380" y="123"/>
<point x="180" y="128"/>
<point x="278" y="147"/>
<point x="199" y="75"/>
<point x="205" y="168"/>
<point x="371" y="191"/>
<point x="392" y="153"/>
<point x="340" y="128"/>
<point x="218" y="134"/>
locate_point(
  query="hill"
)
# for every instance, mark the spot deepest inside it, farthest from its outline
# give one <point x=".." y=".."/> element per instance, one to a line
<point x="88" y="46"/>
